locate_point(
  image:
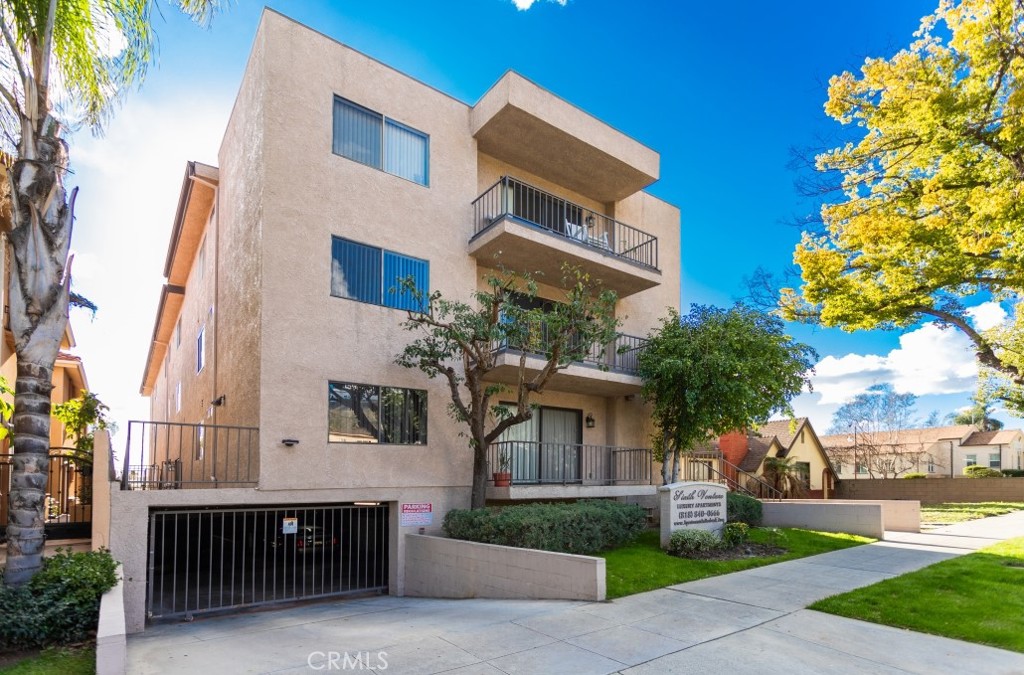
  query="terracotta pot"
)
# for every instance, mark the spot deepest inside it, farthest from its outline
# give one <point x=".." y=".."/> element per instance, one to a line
<point x="502" y="479"/>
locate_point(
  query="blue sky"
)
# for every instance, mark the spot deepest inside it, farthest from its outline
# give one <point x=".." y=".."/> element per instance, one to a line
<point x="722" y="94"/>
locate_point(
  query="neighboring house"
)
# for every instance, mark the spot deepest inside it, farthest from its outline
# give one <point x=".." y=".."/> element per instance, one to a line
<point x="936" y="452"/>
<point x="280" y="423"/>
<point x="738" y="458"/>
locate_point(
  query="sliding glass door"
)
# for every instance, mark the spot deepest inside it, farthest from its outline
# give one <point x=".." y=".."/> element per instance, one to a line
<point x="546" y="449"/>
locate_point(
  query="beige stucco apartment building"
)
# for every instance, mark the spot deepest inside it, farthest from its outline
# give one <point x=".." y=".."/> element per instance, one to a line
<point x="283" y="435"/>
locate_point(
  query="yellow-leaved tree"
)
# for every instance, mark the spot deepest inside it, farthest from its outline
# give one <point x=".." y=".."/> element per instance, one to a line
<point x="931" y="211"/>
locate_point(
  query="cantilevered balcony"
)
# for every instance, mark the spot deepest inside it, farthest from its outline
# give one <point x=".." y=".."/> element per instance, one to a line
<point x="568" y="470"/>
<point x="605" y="370"/>
<point x="526" y="229"/>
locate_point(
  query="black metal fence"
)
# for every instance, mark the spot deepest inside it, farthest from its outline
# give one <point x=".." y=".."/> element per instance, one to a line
<point x="533" y="463"/>
<point x="172" y="455"/>
<point x="68" y="508"/>
<point x="206" y="560"/>
<point x="511" y="197"/>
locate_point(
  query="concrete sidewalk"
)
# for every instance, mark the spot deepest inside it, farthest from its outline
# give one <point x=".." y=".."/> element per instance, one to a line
<point x="747" y="622"/>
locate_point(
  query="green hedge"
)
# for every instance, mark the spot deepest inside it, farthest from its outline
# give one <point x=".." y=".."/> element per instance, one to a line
<point x="580" y="527"/>
<point x="913" y="476"/>
<point x="741" y="508"/>
<point x="978" y="471"/>
<point x="1013" y="473"/>
<point x="61" y="603"/>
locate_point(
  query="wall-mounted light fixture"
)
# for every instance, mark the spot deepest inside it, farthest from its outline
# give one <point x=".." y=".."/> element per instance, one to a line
<point x="220" y="400"/>
<point x="289" y="442"/>
<point x="590" y="421"/>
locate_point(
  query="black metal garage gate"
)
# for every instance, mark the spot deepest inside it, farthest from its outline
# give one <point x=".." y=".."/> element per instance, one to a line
<point x="205" y="560"/>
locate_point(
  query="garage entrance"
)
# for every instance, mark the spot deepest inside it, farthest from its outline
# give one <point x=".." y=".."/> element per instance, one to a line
<point x="213" y="559"/>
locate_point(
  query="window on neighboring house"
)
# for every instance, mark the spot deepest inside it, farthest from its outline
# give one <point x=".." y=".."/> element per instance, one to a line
<point x="931" y="464"/>
<point x="177" y="333"/>
<point x="201" y="350"/>
<point x="993" y="460"/>
<point x="860" y="467"/>
<point x="374" y="275"/>
<point x="177" y="397"/>
<point x="370" y="138"/>
<point x="367" y="413"/>
<point x="972" y="460"/>
<point x="839" y="467"/>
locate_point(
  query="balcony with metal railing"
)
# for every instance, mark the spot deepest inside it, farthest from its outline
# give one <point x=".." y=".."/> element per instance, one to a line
<point x="606" y="369"/>
<point x="536" y="470"/>
<point x="524" y="228"/>
<point x="174" y="456"/>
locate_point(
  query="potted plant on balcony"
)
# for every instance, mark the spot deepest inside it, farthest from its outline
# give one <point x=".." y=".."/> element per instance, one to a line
<point x="503" y="476"/>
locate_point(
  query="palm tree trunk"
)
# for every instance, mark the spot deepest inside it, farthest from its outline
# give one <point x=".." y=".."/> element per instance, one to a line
<point x="30" y="473"/>
<point x="38" y="294"/>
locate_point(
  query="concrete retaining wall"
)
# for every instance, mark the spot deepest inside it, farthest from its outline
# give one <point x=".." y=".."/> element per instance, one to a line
<point x="451" y="568"/>
<point x="897" y="515"/>
<point x="827" y="516"/>
<point x="935" y="490"/>
<point x="111" y="634"/>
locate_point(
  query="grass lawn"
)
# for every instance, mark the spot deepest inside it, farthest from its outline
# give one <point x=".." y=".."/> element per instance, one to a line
<point x="55" y="661"/>
<point x="978" y="597"/>
<point x="947" y="514"/>
<point x="643" y="566"/>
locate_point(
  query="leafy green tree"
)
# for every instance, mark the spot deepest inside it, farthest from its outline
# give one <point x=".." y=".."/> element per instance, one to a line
<point x="979" y="414"/>
<point x="64" y="62"/>
<point x="82" y="417"/>
<point x="457" y="341"/>
<point x="784" y="475"/>
<point x="928" y="211"/>
<point x="716" y="370"/>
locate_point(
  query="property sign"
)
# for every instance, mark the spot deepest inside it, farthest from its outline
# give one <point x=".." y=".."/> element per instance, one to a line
<point x="289" y="525"/>
<point x="692" y="506"/>
<point x="416" y="515"/>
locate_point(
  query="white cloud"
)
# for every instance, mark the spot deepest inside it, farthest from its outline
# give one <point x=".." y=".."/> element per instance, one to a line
<point x="987" y="315"/>
<point x="524" y="5"/>
<point x="929" y="360"/>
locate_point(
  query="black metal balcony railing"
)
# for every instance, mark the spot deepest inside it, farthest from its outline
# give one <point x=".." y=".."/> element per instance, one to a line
<point x="620" y="355"/>
<point x="516" y="199"/>
<point x="172" y="455"/>
<point x="535" y="463"/>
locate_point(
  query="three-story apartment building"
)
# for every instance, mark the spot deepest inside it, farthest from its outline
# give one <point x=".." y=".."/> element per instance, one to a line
<point x="271" y="370"/>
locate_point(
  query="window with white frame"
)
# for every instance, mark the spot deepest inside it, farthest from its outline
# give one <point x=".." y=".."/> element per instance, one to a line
<point x="972" y="460"/>
<point x="994" y="460"/>
<point x="201" y="350"/>
<point x="860" y="467"/>
<point x="370" y="138"/>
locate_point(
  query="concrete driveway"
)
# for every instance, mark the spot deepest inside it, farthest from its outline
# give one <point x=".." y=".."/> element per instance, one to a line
<point x="747" y="622"/>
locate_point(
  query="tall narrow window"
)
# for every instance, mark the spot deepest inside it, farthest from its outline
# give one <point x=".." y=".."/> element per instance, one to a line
<point x="370" y="138"/>
<point x="201" y="260"/>
<point x="201" y="350"/>
<point x="177" y="333"/>
<point x="177" y="397"/>
<point x="993" y="460"/>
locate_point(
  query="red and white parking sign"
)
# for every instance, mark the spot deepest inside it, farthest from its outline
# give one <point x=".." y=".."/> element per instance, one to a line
<point x="416" y="514"/>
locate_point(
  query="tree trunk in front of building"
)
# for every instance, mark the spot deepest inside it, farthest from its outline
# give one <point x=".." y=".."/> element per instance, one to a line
<point x="38" y="297"/>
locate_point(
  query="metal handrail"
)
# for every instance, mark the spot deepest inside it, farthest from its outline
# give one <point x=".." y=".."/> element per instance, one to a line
<point x="536" y="463"/>
<point x="174" y="455"/>
<point x="621" y="354"/>
<point x="510" y="197"/>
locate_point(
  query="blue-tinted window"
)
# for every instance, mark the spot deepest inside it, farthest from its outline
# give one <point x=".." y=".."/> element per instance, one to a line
<point x="370" y="138"/>
<point x="375" y="275"/>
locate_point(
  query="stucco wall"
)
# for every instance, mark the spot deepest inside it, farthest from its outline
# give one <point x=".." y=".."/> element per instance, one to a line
<point x="826" y="516"/>
<point x="897" y="515"/>
<point x="448" y="568"/>
<point x="935" y="490"/>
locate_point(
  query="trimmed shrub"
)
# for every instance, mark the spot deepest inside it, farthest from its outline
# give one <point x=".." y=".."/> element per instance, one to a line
<point x="61" y="603"/>
<point x="580" y="527"/>
<point x="735" y="534"/>
<point x="741" y="508"/>
<point x="913" y="476"/>
<point x="1013" y="473"/>
<point x="978" y="471"/>
<point x="688" y="542"/>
